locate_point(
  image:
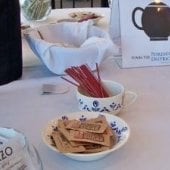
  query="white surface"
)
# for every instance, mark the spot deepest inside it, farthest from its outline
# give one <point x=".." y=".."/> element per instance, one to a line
<point x="120" y="124"/>
<point x="23" y="107"/>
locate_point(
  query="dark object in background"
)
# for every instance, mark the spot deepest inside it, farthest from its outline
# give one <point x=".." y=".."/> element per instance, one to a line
<point x="10" y="41"/>
<point x="104" y="3"/>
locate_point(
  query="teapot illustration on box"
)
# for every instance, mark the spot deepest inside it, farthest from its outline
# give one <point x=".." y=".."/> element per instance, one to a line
<point x="155" y="21"/>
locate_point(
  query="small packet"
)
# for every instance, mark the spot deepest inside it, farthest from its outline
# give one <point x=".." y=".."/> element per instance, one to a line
<point x="96" y="138"/>
<point x="90" y="136"/>
<point x="65" y="132"/>
<point x="63" y="144"/>
<point x="102" y="120"/>
<point x="94" y="148"/>
<point x="87" y="126"/>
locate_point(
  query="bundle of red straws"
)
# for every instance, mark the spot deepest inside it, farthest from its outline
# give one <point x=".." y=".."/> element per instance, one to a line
<point x="86" y="80"/>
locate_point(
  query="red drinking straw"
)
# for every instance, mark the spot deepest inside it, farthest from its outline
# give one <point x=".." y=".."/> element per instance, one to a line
<point x="86" y="80"/>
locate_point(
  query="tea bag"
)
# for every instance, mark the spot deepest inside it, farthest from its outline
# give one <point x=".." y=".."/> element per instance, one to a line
<point x="54" y="89"/>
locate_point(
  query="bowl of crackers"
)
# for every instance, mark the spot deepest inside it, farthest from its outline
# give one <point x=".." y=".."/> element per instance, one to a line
<point x="86" y="136"/>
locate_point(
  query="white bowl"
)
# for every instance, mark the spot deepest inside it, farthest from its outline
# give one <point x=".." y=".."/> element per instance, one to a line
<point x="118" y="125"/>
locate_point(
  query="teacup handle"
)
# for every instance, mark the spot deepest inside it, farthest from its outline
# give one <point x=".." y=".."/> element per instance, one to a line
<point x="129" y="98"/>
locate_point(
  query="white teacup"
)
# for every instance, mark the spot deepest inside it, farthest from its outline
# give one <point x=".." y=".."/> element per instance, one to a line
<point x="119" y="99"/>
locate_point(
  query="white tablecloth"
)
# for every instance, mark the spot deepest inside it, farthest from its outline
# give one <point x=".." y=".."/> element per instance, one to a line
<point x="23" y="107"/>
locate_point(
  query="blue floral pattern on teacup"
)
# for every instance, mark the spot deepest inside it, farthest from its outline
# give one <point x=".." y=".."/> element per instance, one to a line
<point x="115" y="106"/>
<point x="97" y="108"/>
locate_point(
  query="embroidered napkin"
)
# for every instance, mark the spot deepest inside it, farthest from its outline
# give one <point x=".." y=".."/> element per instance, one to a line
<point x="67" y="44"/>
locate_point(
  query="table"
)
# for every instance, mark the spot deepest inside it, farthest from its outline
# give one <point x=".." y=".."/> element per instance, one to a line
<point x="22" y="106"/>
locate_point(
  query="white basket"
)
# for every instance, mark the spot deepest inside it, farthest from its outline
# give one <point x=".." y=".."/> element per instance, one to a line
<point x="70" y="44"/>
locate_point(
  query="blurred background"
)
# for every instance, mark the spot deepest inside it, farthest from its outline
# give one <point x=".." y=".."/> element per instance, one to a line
<point x="78" y="3"/>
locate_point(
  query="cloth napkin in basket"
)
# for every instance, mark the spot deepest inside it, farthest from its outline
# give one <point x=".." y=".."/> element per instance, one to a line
<point x="67" y="44"/>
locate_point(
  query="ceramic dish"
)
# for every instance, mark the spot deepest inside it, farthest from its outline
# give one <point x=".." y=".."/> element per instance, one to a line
<point x="84" y="16"/>
<point x="119" y="126"/>
<point x="119" y="98"/>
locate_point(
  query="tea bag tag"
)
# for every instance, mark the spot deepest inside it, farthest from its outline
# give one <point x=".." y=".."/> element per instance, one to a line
<point x="54" y="89"/>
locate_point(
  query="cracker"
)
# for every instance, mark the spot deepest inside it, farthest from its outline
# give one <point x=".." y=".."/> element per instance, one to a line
<point x="90" y="136"/>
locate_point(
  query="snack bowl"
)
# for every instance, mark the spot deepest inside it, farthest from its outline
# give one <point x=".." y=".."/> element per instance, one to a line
<point x="118" y="126"/>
